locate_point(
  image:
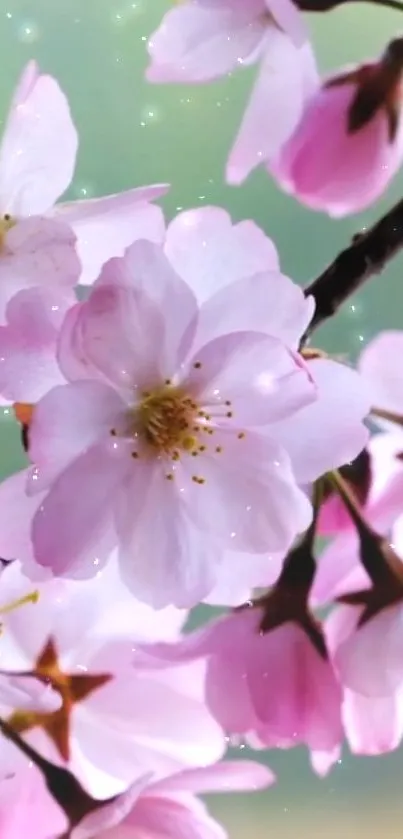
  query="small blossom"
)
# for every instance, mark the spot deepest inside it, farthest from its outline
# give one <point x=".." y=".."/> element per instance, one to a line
<point x="349" y="142"/>
<point x="168" y="438"/>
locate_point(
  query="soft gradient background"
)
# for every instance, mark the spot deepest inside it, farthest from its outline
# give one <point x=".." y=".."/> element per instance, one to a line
<point x="132" y="134"/>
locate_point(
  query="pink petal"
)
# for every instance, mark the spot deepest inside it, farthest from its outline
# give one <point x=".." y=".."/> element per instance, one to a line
<point x="339" y="571"/>
<point x="68" y="421"/>
<point x="200" y="42"/>
<point x="26" y="84"/>
<point x="306" y="704"/>
<point x="164" y="558"/>
<point x="39" y="252"/>
<point x="105" y="227"/>
<point x="146" y="270"/>
<point x="370" y="662"/>
<point x="210" y="253"/>
<point x="116" y="332"/>
<point x="289" y="18"/>
<point x="261" y="379"/>
<point x="249" y="498"/>
<point x="168" y="818"/>
<point x="330" y="169"/>
<point x="373" y="725"/>
<point x="39" y="146"/>
<point x="267" y="302"/>
<point x="28" y="367"/>
<point x="239" y="573"/>
<point x="161" y="736"/>
<point x="379" y="364"/>
<point x="226" y="776"/>
<point x="16" y="512"/>
<point x="112" y="814"/>
<point x="329" y="432"/>
<point x="74" y="516"/>
<point x="24" y="802"/>
<point x="287" y="77"/>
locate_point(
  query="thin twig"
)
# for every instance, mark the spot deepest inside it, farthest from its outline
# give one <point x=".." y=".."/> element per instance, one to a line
<point x="367" y="255"/>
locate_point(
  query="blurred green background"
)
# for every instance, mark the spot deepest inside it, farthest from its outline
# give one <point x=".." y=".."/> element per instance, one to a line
<point x="132" y="134"/>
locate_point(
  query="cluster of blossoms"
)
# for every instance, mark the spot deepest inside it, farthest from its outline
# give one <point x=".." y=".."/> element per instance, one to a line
<point x="184" y="446"/>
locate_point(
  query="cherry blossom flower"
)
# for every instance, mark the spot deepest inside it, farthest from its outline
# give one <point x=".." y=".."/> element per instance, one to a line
<point x="245" y="663"/>
<point x="349" y="142"/>
<point x="168" y="808"/>
<point x="37" y="160"/>
<point x="114" y="721"/>
<point x="166" y="425"/>
<point x="200" y="41"/>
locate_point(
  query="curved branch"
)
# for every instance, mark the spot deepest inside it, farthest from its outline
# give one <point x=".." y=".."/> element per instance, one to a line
<point x="368" y="254"/>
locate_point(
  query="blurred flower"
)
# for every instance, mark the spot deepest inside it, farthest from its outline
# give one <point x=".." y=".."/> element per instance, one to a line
<point x="200" y="41"/>
<point x="37" y="160"/>
<point x="114" y="722"/>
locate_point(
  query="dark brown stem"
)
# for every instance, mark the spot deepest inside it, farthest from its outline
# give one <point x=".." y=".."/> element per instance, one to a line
<point x="62" y="785"/>
<point x="328" y="5"/>
<point x="367" y="255"/>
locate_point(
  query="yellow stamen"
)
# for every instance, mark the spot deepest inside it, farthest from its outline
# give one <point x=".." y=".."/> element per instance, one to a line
<point x="6" y="223"/>
<point x="33" y="597"/>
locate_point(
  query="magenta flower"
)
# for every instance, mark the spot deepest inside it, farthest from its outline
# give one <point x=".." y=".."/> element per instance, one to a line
<point x="349" y="142"/>
<point x="37" y="160"/>
<point x="273" y="687"/>
<point x="167" y="444"/>
<point x="200" y="41"/>
<point x="114" y="722"/>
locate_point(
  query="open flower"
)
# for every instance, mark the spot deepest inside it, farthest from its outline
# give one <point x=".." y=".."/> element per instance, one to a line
<point x="200" y="41"/>
<point x="168" y="446"/>
<point x="349" y="142"/>
<point x="37" y="160"/>
<point x="275" y="687"/>
<point x="114" y="722"/>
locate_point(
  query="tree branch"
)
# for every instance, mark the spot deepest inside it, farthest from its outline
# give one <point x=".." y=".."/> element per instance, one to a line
<point x="367" y="255"/>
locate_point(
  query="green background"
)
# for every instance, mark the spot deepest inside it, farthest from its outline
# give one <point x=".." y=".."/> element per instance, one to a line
<point x="133" y="133"/>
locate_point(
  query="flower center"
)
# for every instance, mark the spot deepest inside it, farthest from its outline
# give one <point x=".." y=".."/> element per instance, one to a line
<point x="6" y="223"/>
<point x="166" y="420"/>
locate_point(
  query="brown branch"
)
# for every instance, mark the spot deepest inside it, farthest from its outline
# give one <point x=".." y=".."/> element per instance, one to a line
<point x="367" y="255"/>
<point x="328" y="5"/>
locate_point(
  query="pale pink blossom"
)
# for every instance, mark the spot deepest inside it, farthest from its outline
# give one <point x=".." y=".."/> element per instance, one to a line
<point x="200" y="41"/>
<point x="347" y="145"/>
<point x="275" y="688"/>
<point x="167" y="446"/>
<point x="115" y="721"/>
<point x="168" y="808"/>
<point x="37" y="161"/>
